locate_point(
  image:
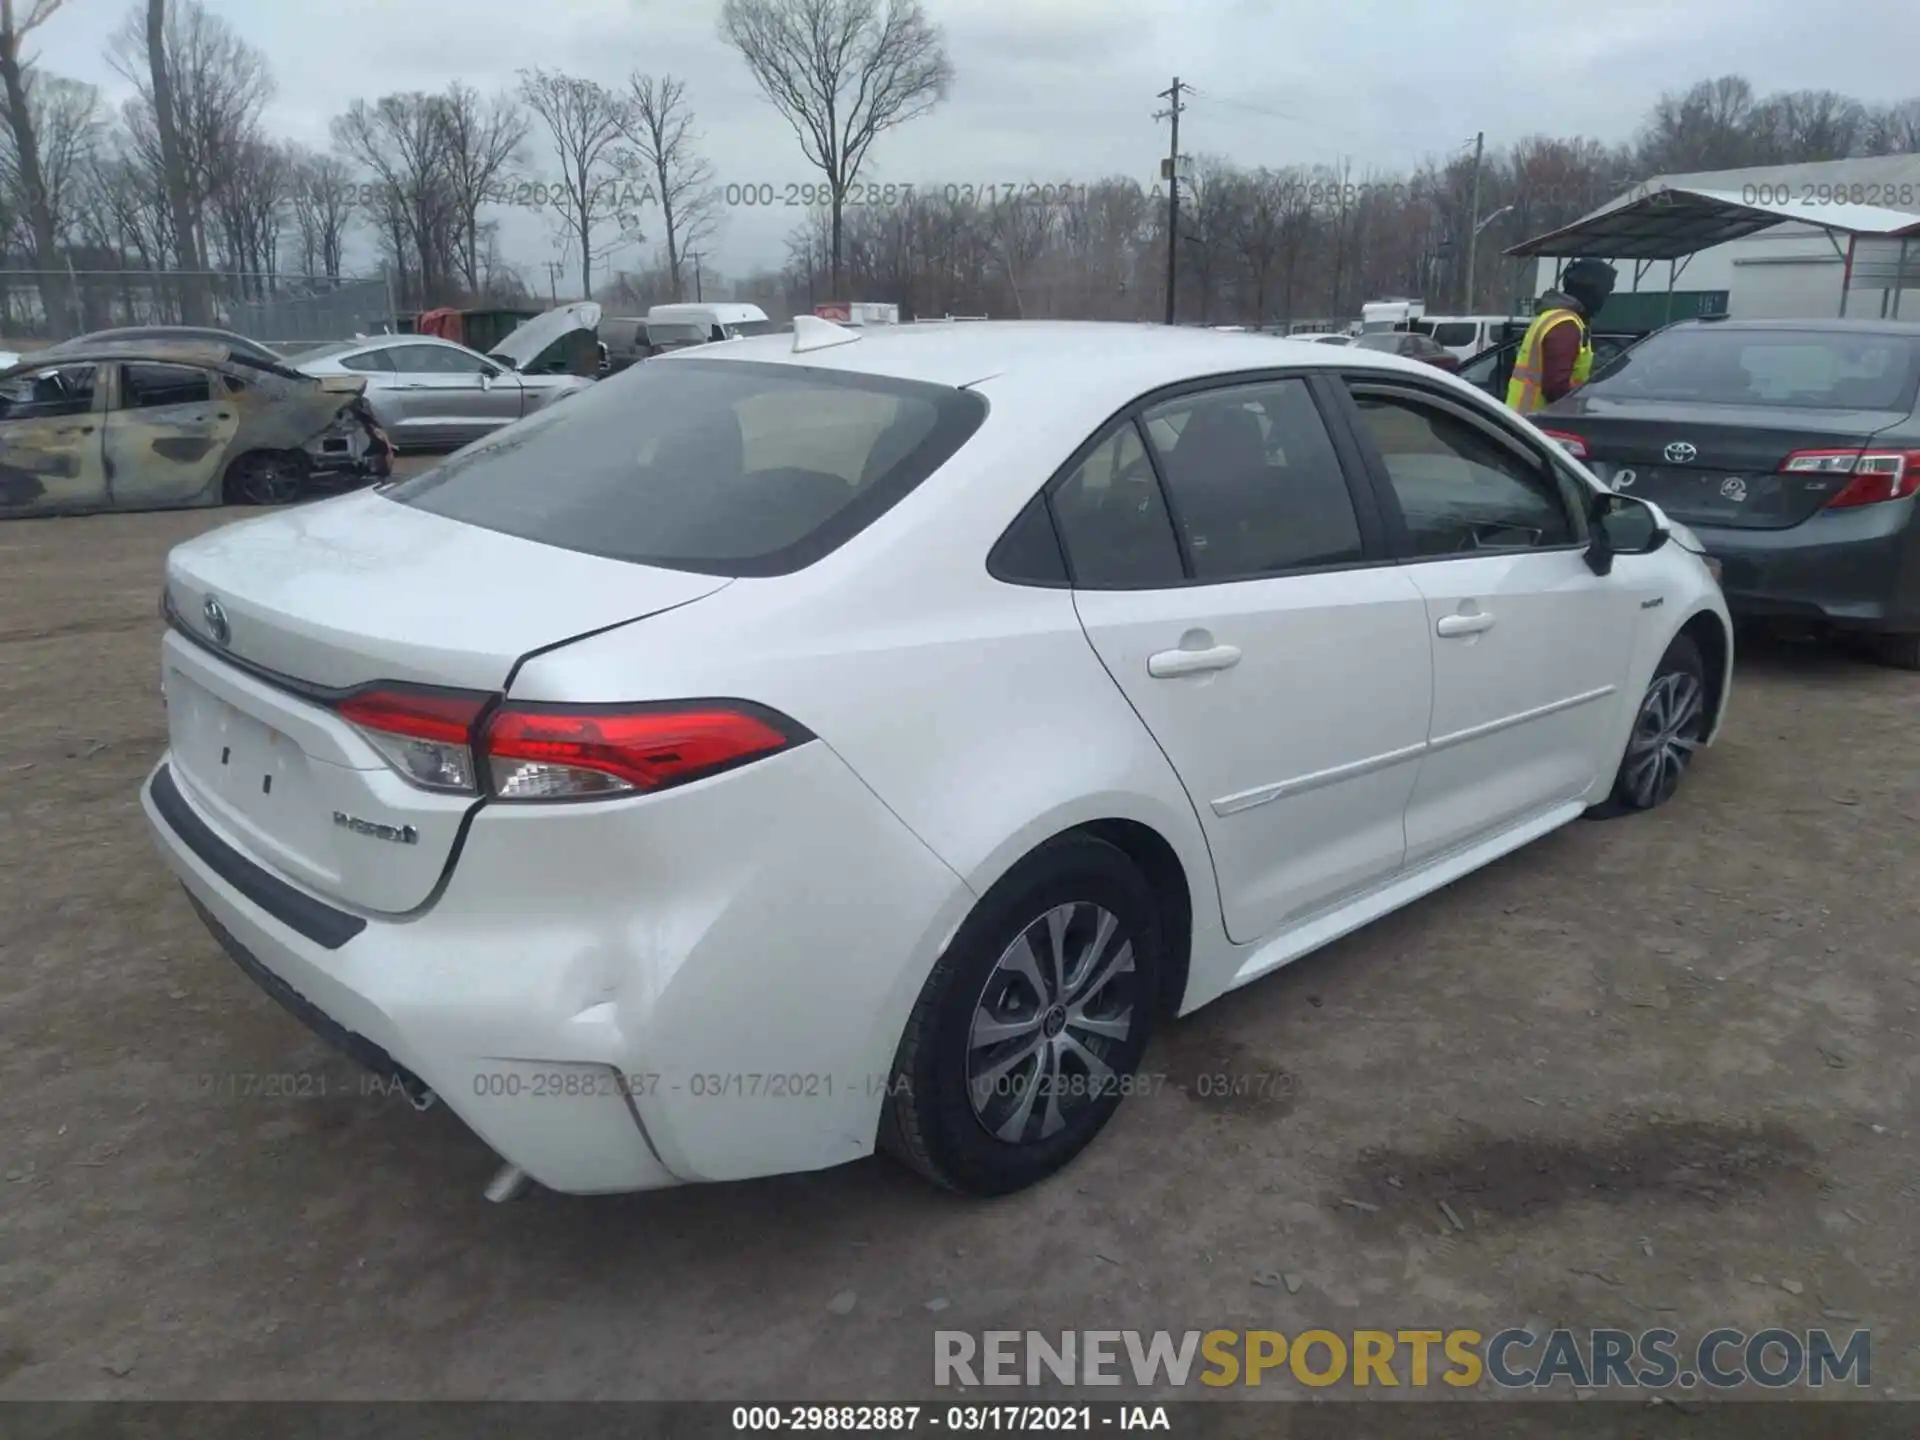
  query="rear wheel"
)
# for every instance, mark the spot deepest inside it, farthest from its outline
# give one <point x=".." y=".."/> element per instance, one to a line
<point x="1669" y="726"/>
<point x="264" y="477"/>
<point x="1032" y="1025"/>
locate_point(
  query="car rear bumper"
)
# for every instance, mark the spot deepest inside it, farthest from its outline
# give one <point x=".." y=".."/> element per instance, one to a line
<point x="621" y="997"/>
<point x="1856" y="569"/>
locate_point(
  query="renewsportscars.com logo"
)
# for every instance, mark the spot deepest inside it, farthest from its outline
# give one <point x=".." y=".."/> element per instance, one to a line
<point x="1511" y="1359"/>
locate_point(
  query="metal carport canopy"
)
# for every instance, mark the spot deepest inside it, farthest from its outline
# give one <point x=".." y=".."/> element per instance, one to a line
<point x="1658" y="221"/>
<point x="1661" y="222"/>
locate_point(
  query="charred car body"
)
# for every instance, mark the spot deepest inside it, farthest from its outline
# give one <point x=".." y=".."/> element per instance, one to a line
<point x="151" y="425"/>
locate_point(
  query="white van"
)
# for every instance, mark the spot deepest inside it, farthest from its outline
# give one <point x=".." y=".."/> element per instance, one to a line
<point x="724" y="321"/>
<point x="1465" y="335"/>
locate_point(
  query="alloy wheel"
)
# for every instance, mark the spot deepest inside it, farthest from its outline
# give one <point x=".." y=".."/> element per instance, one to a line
<point x="267" y="480"/>
<point x="1056" y="1008"/>
<point x="1665" y="734"/>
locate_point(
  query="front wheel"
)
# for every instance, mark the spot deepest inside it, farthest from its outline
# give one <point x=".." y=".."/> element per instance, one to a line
<point x="1031" y="1028"/>
<point x="1669" y="727"/>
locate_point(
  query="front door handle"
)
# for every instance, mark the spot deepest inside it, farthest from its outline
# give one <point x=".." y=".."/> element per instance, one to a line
<point x="1451" y="625"/>
<point x="1170" y="664"/>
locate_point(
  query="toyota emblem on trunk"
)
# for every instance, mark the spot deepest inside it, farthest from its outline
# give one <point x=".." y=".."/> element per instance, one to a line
<point x="1681" y="453"/>
<point x="216" y="619"/>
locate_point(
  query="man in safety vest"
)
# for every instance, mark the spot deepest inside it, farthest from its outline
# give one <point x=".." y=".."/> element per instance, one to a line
<point x="1557" y="354"/>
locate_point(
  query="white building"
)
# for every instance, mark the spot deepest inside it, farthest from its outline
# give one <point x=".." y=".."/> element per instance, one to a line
<point x="1780" y="240"/>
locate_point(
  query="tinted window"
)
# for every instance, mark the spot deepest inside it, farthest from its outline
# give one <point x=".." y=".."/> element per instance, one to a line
<point x="1254" y="480"/>
<point x="1113" y="519"/>
<point x="1459" y="489"/>
<point x="370" y="362"/>
<point x="435" y="360"/>
<point x="1480" y="370"/>
<point x="1454" y="333"/>
<point x="145" y="387"/>
<point x="1029" y="553"/>
<point x="1801" y="369"/>
<point x="723" y="468"/>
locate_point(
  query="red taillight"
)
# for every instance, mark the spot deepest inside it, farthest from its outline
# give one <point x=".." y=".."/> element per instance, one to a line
<point x="1572" y="444"/>
<point x="425" y="734"/>
<point x="560" y="752"/>
<point x="1878" y="475"/>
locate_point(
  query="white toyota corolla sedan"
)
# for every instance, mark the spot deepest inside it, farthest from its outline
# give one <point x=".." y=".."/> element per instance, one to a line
<point x="844" y="739"/>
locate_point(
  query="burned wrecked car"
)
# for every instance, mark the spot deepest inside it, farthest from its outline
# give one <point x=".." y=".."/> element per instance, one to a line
<point x="153" y="425"/>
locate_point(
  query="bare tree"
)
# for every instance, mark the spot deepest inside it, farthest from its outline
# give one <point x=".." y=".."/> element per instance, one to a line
<point x="1894" y="129"/>
<point x="66" y="123"/>
<point x="400" y="139"/>
<point x="842" y="72"/>
<point x="322" y="203"/>
<point x="585" y="123"/>
<point x="200" y="92"/>
<point x="659" y="126"/>
<point x="481" y="142"/>
<point x="31" y="185"/>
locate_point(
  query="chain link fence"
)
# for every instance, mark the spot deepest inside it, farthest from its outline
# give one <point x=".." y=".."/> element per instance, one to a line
<point x="273" y="309"/>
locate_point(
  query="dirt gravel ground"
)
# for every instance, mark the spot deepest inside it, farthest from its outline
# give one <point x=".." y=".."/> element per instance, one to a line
<point x="1661" y="1070"/>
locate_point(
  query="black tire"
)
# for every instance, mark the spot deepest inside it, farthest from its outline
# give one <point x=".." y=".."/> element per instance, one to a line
<point x="264" y="477"/>
<point x="1663" y="737"/>
<point x="1902" y="652"/>
<point x="931" y="1121"/>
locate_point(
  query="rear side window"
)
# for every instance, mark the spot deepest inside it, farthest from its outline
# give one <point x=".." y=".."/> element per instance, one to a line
<point x="1113" y="519"/>
<point x="146" y="387"/>
<point x="1255" y="482"/>
<point x="1455" y="333"/>
<point x="725" y="468"/>
<point x="369" y="362"/>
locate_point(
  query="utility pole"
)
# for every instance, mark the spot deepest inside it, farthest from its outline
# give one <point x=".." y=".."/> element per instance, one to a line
<point x="1473" y="219"/>
<point x="694" y="255"/>
<point x="1172" y="96"/>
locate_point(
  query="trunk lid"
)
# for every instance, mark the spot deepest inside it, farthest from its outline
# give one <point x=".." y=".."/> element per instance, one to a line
<point x="526" y="344"/>
<point x="337" y="595"/>
<point x="1731" y="477"/>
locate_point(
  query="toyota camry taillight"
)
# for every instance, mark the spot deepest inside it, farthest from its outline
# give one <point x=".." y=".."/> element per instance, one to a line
<point x="1877" y="474"/>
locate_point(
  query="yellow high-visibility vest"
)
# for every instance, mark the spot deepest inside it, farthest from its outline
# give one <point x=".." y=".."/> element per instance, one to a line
<point x="1525" y="392"/>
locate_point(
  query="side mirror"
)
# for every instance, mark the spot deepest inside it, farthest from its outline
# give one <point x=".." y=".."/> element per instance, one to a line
<point x="1622" y="525"/>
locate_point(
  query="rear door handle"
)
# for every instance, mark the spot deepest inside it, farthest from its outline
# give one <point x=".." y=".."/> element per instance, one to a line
<point x="1451" y="625"/>
<point x="1170" y="664"/>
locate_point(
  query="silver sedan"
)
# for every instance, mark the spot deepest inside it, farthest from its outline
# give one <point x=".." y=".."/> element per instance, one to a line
<point x="429" y="393"/>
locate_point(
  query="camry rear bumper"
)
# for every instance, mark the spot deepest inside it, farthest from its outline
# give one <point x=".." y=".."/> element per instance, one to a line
<point x="1857" y="569"/>
<point x="624" y="996"/>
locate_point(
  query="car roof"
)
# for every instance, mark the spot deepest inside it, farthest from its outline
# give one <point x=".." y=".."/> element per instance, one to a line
<point x="387" y="342"/>
<point x="1133" y="357"/>
<point x="178" y="352"/>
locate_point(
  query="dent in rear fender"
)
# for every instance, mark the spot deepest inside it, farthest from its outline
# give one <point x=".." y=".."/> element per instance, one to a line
<point x="746" y="949"/>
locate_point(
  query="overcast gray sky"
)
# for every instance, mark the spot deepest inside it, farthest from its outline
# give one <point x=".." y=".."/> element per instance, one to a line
<point x="1051" y="90"/>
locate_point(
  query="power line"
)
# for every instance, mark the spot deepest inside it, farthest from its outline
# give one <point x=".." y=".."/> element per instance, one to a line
<point x="1407" y="136"/>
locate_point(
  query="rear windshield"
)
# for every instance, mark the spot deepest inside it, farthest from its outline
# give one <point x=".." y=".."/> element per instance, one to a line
<point x="1796" y="369"/>
<point x="725" y="468"/>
